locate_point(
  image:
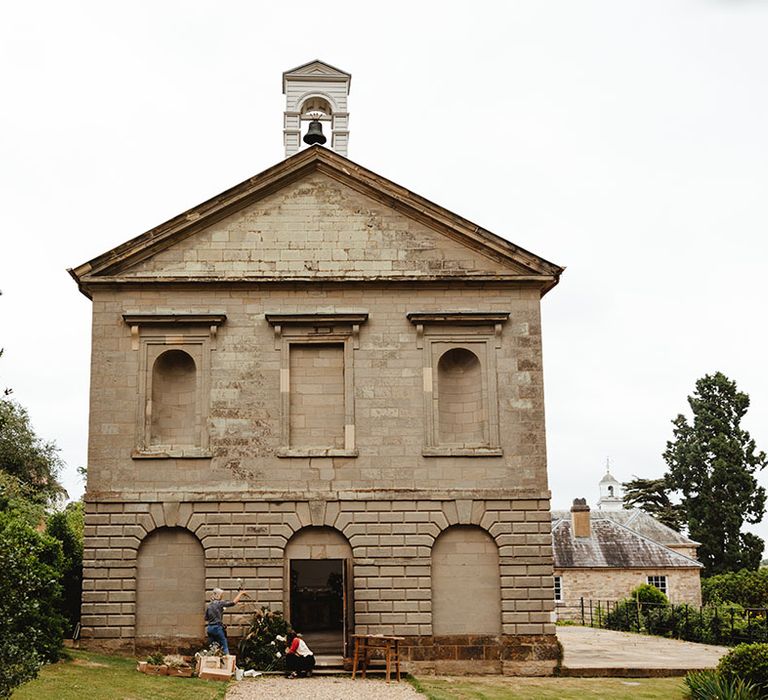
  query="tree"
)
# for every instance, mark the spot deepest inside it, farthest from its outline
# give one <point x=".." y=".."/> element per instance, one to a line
<point x="66" y="526"/>
<point x="34" y="463"/>
<point x="30" y="570"/>
<point x="711" y="463"/>
<point x="652" y="496"/>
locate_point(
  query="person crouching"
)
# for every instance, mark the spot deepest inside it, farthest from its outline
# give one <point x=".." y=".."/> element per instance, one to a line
<point x="299" y="659"/>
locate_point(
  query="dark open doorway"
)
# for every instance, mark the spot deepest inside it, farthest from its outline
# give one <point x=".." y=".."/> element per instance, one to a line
<point x="317" y="603"/>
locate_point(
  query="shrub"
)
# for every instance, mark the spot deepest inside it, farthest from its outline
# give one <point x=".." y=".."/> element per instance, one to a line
<point x="749" y="662"/>
<point x="649" y="595"/>
<point x="623" y="616"/>
<point x="710" y="685"/>
<point x="259" y="648"/>
<point x="746" y="587"/>
<point x="32" y="624"/>
<point x="60" y="526"/>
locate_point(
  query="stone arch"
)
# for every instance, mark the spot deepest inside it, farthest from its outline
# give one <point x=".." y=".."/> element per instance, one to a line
<point x="466" y="582"/>
<point x="170" y="585"/>
<point x="461" y="414"/>
<point x="319" y="587"/>
<point x="318" y="542"/>
<point x="174" y="415"/>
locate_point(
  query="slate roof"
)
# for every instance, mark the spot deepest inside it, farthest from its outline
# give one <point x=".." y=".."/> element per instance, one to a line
<point x="614" y="544"/>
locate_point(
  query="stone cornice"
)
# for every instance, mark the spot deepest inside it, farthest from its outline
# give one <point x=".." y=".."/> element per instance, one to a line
<point x="246" y="495"/>
<point x="189" y="319"/>
<point x="458" y="317"/>
<point x="320" y="317"/>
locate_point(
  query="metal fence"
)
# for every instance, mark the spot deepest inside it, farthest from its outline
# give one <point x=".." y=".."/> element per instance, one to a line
<point x="711" y="624"/>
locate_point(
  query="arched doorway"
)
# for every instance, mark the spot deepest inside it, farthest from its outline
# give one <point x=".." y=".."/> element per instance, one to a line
<point x="319" y="586"/>
<point x="170" y="586"/>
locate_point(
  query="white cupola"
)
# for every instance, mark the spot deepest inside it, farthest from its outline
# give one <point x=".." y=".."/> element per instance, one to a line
<point x="316" y="97"/>
<point x="611" y="496"/>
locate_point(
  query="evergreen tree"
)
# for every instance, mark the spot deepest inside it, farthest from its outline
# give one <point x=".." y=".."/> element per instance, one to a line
<point x="652" y="496"/>
<point x="712" y="463"/>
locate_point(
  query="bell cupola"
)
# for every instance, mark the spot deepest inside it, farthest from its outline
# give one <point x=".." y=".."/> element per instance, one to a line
<point x="316" y="107"/>
<point x="611" y="497"/>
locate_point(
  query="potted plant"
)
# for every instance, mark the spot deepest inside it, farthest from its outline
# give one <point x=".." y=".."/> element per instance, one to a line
<point x="177" y="666"/>
<point x="155" y="665"/>
<point x="208" y="658"/>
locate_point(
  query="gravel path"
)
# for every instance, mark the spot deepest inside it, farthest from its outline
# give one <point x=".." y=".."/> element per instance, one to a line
<point x="321" y="688"/>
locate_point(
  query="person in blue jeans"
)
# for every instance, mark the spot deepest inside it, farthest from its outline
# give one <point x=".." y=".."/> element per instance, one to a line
<point x="214" y="625"/>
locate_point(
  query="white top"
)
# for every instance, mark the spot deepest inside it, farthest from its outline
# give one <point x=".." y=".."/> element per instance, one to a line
<point x="303" y="649"/>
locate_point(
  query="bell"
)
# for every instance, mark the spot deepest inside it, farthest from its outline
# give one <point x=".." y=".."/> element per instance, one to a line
<point x="315" y="133"/>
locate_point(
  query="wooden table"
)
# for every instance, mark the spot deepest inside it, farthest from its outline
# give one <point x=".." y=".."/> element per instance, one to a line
<point x="365" y="643"/>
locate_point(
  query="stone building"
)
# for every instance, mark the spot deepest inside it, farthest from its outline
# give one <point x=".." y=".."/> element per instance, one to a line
<point x="602" y="555"/>
<point x="330" y="387"/>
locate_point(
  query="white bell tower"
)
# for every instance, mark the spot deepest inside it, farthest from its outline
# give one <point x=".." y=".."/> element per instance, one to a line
<point x="316" y="92"/>
<point x="611" y="497"/>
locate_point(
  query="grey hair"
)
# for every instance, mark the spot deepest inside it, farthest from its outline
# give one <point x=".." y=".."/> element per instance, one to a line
<point x="216" y="593"/>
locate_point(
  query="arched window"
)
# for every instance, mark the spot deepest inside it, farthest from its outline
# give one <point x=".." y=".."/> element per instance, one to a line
<point x="174" y="412"/>
<point x="466" y="583"/>
<point x="461" y="410"/>
<point x="170" y="585"/>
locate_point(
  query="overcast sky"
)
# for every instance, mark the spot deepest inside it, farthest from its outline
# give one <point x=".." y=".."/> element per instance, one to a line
<point x="627" y="141"/>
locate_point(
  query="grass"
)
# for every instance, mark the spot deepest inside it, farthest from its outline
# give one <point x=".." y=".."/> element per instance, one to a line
<point x="87" y="676"/>
<point x="509" y="688"/>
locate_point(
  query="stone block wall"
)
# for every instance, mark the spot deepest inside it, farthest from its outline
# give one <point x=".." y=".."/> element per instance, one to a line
<point x="243" y="398"/>
<point x="683" y="586"/>
<point x="391" y="537"/>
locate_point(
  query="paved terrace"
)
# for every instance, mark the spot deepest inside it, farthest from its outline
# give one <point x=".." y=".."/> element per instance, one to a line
<point x="598" y="652"/>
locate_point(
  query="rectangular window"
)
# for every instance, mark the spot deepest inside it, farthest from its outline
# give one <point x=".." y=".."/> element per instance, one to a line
<point x="660" y="582"/>
<point x="559" y="589"/>
<point x="317" y="396"/>
<point x="317" y="416"/>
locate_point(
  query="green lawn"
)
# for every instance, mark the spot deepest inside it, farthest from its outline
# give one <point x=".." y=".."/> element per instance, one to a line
<point x="507" y="688"/>
<point x="87" y="676"/>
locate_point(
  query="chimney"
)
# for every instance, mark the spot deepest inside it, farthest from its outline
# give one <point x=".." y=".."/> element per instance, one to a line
<point x="580" y="518"/>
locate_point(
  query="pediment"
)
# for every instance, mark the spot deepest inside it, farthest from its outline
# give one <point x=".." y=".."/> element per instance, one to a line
<point x="316" y="67"/>
<point x="316" y="216"/>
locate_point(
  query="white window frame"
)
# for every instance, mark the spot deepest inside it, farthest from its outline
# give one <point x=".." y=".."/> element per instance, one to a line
<point x="558" y="585"/>
<point x="655" y="580"/>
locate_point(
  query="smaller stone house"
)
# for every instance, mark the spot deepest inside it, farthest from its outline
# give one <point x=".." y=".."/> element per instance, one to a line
<point x="602" y="555"/>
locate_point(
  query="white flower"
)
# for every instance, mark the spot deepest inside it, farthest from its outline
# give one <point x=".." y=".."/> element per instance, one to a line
<point x="272" y="643"/>
<point x="279" y="655"/>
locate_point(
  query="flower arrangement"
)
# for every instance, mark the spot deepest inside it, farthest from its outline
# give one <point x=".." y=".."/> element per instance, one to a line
<point x="175" y="661"/>
<point x="262" y="646"/>
<point x="213" y="650"/>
